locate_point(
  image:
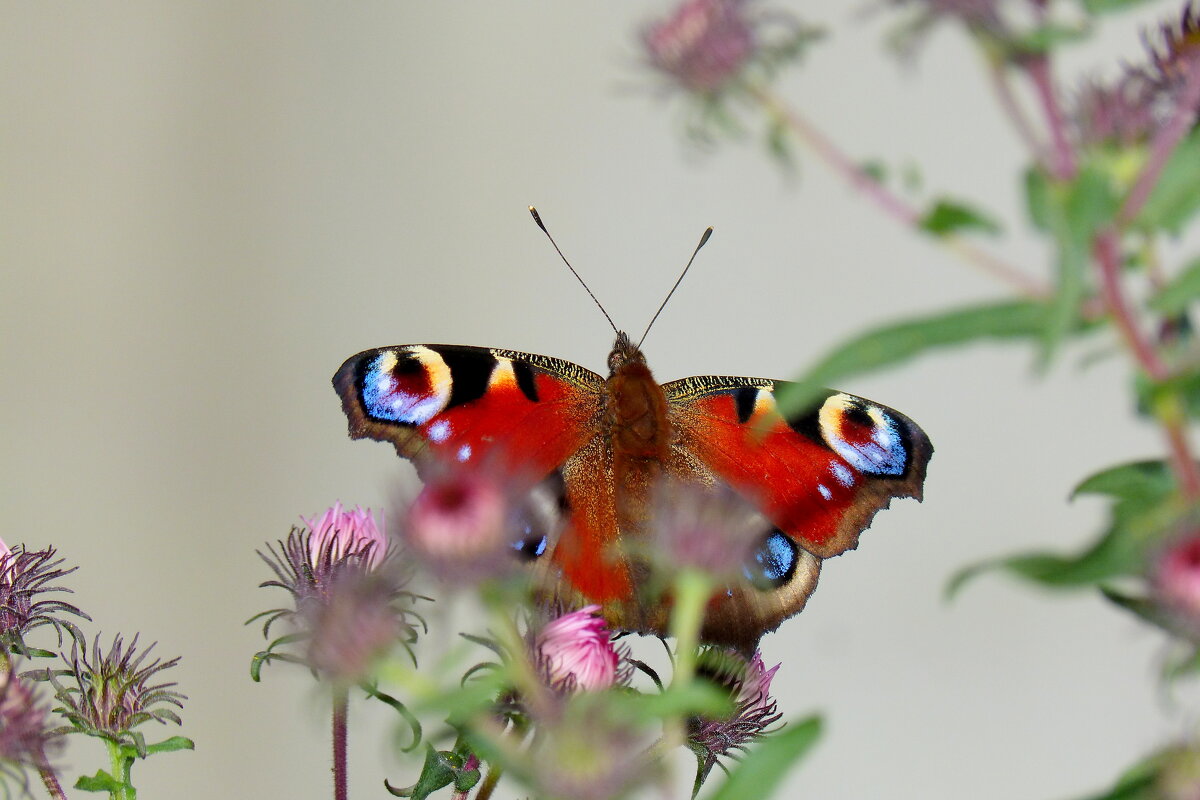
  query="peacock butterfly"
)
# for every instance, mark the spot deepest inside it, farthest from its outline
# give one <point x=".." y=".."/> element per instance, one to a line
<point x="600" y="445"/>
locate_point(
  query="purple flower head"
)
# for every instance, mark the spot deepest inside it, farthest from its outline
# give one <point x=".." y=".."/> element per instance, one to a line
<point x="108" y="694"/>
<point x="24" y="737"/>
<point x="749" y="685"/>
<point x="358" y="624"/>
<point x="1122" y="113"/>
<point x="710" y="529"/>
<point x="24" y="576"/>
<point x="703" y="45"/>
<point x="472" y="523"/>
<point x="576" y="651"/>
<point x="340" y="532"/>
<point x="586" y="752"/>
<point x="1176" y="54"/>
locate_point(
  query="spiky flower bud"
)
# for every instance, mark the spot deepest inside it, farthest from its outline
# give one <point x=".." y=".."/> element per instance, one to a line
<point x="109" y="694"/>
<point x="24" y="577"/>
<point x="703" y="45"/>
<point x="24" y="737"/>
<point x="749" y="685"/>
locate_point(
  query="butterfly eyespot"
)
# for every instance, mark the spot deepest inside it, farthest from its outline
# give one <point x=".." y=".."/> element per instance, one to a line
<point x="408" y="386"/>
<point x="865" y="435"/>
<point x="538" y="519"/>
<point x="773" y="563"/>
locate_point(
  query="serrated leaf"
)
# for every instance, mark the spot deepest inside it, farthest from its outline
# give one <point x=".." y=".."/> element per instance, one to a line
<point x="100" y="782"/>
<point x="171" y="745"/>
<point x="952" y="216"/>
<point x="762" y="771"/>
<point x="1176" y="296"/>
<point x="890" y="345"/>
<point x="1176" y="196"/>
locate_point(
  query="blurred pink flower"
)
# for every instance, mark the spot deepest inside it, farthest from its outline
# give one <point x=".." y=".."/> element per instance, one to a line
<point x="1176" y="579"/>
<point x="576" y="651"/>
<point x="341" y="532"/>
<point x="24" y="735"/>
<point x="703" y="44"/>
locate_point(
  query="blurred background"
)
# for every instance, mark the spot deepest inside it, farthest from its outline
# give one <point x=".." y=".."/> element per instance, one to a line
<point x="205" y="207"/>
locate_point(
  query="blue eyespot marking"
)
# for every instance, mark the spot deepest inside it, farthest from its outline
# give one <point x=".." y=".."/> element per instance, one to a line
<point x="773" y="563"/>
<point x="410" y="387"/>
<point x="464" y="452"/>
<point x="824" y="490"/>
<point x="865" y="435"/>
<point x="531" y="547"/>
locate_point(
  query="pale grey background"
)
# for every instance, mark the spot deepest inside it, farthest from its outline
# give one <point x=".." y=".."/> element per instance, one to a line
<point x="207" y="206"/>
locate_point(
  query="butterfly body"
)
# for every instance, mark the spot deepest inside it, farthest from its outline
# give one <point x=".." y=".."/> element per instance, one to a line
<point x="607" y="446"/>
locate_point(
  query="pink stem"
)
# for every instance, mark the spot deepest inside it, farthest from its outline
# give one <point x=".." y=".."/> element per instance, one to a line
<point x="1062" y="162"/>
<point x="1107" y="252"/>
<point x="341" y="709"/>
<point x="50" y="780"/>
<point x="1164" y="144"/>
<point x="1020" y="121"/>
<point x="889" y="202"/>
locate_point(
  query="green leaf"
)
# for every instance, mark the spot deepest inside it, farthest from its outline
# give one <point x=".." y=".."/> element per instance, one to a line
<point x="1176" y="196"/>
<point x="409" y="718"/>
<point x="1174" y="298"/>
<point x="438" y="772"/>
<point x="894" y="344"/>
<point x="1138" y="782"/>
<point x="1144" y="506"/>
<point x="1108" y="6"/>
<point x="171" y="745"/>
<point x="100" y="782"/>
<point x="1074" y="212"/>
<point x="700" y="698"/>
<point x="1143" y="608"/>
<point x="874" y="169"/>
<point x="762" y="771"/>
<point x="951" y="216"/>
<point x="1045" y="38"/>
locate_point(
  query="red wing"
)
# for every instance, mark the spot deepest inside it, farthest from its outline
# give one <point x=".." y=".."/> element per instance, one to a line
<point x="819" y="476"/>
<point x="516" y="412"/>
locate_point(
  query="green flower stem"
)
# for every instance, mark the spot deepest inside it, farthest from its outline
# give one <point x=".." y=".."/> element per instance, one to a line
<point x="119" y="766"/>
<point x="341" y="709"/>
<point x="692" y="590"/>
<point x="891" y="204"/>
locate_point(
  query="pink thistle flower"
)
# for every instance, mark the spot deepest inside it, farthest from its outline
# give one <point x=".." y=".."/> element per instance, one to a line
<point x="754" y="711"/>
<point x="470" y="524"/>
<point x="1177" y="54"/>
<point x="344" y="532"/>
<point x="359" y="624"/>
<point x="703" y="44"/>
<point x="708" y="529"/>
<point x="1123" y="113"/>
<point x="575" y="651"/>
<point x="1176" y="580"/>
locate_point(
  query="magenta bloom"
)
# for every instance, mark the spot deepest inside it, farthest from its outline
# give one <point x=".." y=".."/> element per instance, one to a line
<point x="576" y="651"/>
<point x="703" y="44"/>
<point x="341" y="532"/>
<point x="1176" y="579"/>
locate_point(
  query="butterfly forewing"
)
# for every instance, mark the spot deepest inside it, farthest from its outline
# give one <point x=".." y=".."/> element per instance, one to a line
<point x="819" y="475"/>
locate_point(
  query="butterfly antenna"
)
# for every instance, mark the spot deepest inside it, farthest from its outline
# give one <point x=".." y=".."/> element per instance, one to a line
<point x="538" y="219"/>
<point x="679" y="280"/>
